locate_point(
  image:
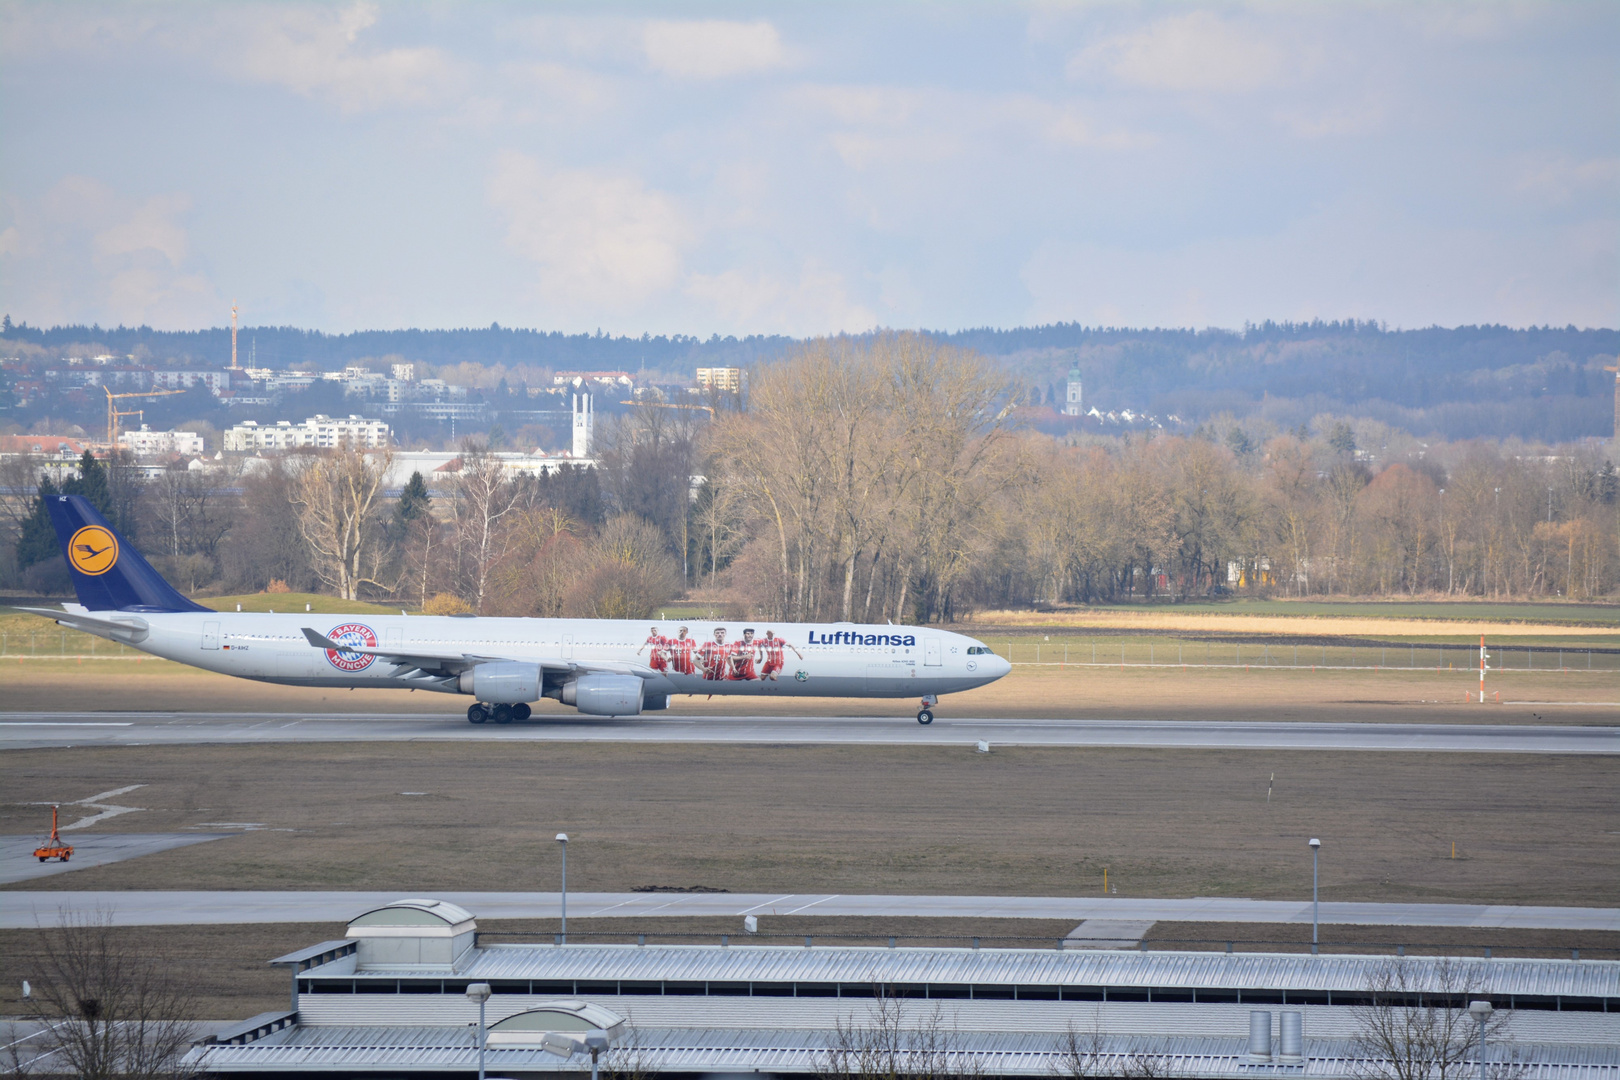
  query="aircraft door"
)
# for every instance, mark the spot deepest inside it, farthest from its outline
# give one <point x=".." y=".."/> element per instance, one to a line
<point x="210" y="637"/>
<point x="568" y="647"/>
<point x="394" y="638"/>
<point x="931" y="652"/>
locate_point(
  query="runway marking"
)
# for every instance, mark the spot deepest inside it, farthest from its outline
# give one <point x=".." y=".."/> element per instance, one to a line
<point x="67" y="723"/>
<point x="807" y="907"/>
<point x="768" y="903"/>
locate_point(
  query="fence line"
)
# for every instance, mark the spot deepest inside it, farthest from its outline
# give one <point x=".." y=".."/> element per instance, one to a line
<point x="1309" y="657"/>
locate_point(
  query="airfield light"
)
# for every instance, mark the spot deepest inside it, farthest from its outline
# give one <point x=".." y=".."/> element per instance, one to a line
<point x="1481" y="1011"/>
<point x="1316" y="850"/>
<point x="562" y="838"/>
<point x="479" y="992"/>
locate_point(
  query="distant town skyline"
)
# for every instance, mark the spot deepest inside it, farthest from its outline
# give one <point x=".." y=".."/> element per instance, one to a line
<point x="800" y="170"/>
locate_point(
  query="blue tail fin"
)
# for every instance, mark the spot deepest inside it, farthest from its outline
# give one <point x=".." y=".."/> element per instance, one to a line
<point x="108" y="574"/>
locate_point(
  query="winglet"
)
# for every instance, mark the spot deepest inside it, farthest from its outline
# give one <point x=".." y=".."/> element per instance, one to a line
<point x="320" y="641"/>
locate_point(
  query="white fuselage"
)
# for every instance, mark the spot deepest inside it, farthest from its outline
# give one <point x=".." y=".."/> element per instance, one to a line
<point x="800" y="660"/>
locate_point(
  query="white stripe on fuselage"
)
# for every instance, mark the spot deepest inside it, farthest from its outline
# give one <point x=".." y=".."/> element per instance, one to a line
<point x="821" y="659"/>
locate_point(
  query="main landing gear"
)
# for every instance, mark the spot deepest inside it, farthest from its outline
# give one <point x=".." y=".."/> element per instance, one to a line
<point x="926" y="715"/>
<point x="501" y="714"/>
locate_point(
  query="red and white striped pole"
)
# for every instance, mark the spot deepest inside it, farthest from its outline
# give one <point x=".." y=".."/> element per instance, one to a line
<point x="1482" y="669"/>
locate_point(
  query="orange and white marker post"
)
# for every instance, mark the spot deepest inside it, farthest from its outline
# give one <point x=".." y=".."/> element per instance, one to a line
<point x="1482" y="667"/>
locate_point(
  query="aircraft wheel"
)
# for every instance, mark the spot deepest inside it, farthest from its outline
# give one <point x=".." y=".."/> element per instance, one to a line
<point x="503" y="714"/>
<point x="476" y="713"/>
<point x="925" y="717"/>
<point x="521" y="711"/>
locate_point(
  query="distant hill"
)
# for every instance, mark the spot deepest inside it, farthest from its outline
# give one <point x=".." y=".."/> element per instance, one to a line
<point x="1472" y="381"/>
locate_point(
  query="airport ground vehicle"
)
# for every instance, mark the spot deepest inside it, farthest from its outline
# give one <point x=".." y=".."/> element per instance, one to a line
<point x="601" y="667"/>
<point x="54" y="848"/>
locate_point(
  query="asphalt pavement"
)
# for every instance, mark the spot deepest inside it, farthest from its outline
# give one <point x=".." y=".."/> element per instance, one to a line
<point x="24" y="731"/>
<point x="20" y="909"/>
<point x="17" y="861"/>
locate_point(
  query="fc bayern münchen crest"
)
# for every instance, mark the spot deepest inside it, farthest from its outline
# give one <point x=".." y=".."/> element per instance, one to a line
<point x="802" y="676"/>
<point x="351" y="634"/>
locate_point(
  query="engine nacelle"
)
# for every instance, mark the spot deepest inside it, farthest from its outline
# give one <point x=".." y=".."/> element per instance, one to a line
<point x="604" y="695"/>
<point x="504" y="683"/>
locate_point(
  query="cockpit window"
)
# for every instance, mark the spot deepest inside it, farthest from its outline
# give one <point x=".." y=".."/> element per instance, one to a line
<point x="978" y="650"/>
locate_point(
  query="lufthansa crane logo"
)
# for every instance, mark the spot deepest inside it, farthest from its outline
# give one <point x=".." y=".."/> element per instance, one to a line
<point x="352" y="634"/>
<point x="93" y="550"/>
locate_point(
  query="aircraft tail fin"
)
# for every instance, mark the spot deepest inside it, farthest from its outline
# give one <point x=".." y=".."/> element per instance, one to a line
<point x="108" y="574"/>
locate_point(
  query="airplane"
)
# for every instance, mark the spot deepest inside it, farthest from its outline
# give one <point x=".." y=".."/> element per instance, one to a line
<point x="601" y="667"/>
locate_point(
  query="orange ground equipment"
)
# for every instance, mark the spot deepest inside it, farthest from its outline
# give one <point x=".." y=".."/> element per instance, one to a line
<point x="54" y="848"/>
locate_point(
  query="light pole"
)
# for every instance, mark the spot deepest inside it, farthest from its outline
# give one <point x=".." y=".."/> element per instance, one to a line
<point x="562" y="838"/>
<point x="479" y="992"/>
<point x="1481" y="1011"/>
<point x="1316" y="850"/>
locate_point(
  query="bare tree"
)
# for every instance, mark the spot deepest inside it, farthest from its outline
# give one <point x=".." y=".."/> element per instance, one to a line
<point x="483" y="499"/>
<point x="896" y="1043"/>
<point x="1418" y="1026"/>
<point x="339" y="501"/>
<point x="1087" y="1055"/>
<point x="109" y="1013"/>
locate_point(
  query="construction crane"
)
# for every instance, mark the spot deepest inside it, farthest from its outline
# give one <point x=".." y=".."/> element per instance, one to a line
<point x="1616" y="369"/>
<point x="113" y="412"/>
<point x="672" y="405"/>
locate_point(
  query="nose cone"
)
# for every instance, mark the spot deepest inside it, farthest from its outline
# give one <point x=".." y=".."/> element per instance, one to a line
<point x="997" y="666"/>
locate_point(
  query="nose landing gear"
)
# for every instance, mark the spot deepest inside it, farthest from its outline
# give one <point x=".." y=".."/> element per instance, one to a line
<point x="926" y="715"/>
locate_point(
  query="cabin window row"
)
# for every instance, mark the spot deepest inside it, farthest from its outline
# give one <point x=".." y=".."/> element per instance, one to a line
<point x="977" y="992"/>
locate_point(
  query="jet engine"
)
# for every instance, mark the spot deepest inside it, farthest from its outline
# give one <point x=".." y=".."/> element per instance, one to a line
<point x="504" y="683"/>
<point x="601" y="694"/>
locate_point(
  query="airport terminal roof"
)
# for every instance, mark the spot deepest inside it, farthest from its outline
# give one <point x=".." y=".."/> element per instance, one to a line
<point x="745" y="1050"/>
<point x="1021" y="967"/>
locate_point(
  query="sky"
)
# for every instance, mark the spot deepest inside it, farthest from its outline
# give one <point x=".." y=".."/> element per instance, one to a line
<point x="809" y="168"/>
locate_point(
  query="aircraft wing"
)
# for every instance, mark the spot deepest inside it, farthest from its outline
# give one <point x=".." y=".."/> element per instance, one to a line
<point x="451" y="663"/>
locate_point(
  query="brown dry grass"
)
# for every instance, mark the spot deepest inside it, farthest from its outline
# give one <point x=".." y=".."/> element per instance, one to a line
<point x="848" y="819"/>
<point x="1104" y="693"/>
<point x="1311" y="625"/>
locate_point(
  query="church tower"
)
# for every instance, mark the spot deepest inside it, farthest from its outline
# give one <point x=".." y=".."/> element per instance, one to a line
<point x="582" y="425"/>
<point x="1072" y="403"/>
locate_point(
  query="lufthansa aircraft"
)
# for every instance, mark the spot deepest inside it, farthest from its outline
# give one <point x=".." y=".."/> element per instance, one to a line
<point x="599" y="666"/>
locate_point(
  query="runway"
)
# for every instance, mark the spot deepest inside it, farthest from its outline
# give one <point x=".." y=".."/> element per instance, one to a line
<point x="21" y="909"/>
<point x="36" y="730"/>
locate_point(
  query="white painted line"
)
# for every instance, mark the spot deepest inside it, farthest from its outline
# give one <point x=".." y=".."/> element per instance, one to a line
<point x="768" y="903"/>
<point x="66" y="723"/>
<point x="806" y="907"/>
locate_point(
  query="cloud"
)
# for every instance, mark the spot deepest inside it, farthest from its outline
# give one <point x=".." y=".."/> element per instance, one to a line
<point x="84" y="251"/>
<point x="316" y="52"/>
<point x="1193" y="52"/>
<point x="711" y="48"/>
<point x="818" y="302"/>
<point x="600" y="240"/>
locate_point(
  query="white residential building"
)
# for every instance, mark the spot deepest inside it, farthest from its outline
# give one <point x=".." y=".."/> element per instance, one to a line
<point x="320" y="432"/>
<point x="185" y="380"/>
<point x="149" y="443"/>
<point x="720" y="378"/>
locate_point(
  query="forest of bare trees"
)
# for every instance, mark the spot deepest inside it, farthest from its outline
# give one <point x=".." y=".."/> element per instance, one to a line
<point x="885" y="477"/>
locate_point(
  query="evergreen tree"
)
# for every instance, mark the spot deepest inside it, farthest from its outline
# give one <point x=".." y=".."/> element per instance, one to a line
<point x="1342" y="439"/>
<point x="37" y="543"/>
<point x="414" y="500"/>
<point x="92" y="484"/>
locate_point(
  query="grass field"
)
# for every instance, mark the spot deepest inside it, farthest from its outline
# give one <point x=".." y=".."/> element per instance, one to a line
<point x="1540" y="830"/>
<point x="1465" y="610"/>
<point x="1259" y="692"/>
